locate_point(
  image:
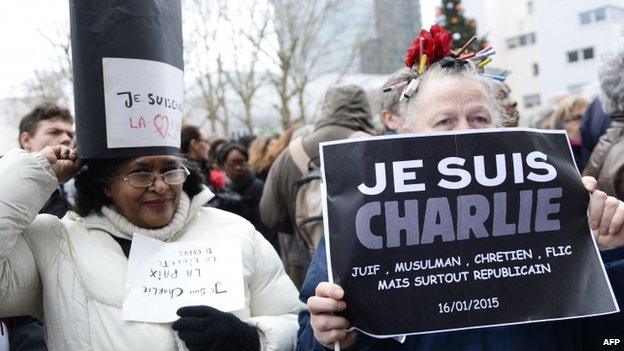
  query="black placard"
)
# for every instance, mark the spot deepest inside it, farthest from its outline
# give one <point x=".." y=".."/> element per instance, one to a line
<point x="471" y="229"/>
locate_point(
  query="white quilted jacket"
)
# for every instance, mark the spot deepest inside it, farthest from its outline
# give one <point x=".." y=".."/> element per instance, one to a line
<point x="71" y="272"/>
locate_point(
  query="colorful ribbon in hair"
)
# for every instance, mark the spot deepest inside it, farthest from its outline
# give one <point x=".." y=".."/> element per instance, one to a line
<point x="430" y="47"/>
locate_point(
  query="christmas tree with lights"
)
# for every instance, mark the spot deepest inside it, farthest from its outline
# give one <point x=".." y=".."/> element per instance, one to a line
<point x="450" y="15"/>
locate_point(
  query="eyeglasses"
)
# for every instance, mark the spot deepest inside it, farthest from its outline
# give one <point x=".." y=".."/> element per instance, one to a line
<point x="146" y="179"/>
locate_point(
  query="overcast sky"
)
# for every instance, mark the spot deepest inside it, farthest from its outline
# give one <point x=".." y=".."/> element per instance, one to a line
<point x="24" y="49"/>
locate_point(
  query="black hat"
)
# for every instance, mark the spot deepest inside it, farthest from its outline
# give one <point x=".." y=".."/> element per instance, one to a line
<point x="128" y="77"/>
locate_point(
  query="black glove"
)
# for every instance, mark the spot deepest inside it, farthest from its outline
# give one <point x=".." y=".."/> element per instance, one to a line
<point x="204" y="328"/>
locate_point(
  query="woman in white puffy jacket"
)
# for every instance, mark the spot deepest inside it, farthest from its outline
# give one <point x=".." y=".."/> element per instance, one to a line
<point x="72" y="272"/>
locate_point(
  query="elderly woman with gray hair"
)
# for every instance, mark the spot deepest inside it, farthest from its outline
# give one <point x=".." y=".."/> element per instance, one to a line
<point x="393" y="112"/>
<point x="453" y="96"/>
<point x="606" y="163"/>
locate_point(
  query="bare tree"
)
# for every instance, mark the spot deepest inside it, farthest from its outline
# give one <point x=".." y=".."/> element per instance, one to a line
<point x="251" y="24"/>
<point x="62" y="47"/>
<point x="239" y="47"/>
<point x="55" y="82"/>
<point x="205" y="60"/>
<point x="306" y="33"/>
<point x="49" y="86"/>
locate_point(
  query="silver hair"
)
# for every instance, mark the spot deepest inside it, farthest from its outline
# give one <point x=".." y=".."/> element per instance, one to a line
<point x="390" y="100"/>
<point x="465" y="71"/>
<point x="611" y="77"/>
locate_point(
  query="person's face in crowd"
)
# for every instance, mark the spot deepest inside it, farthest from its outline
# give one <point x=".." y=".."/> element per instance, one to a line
<point x="572" y="122"/>
<point x="150" y="206"/>
<point x="50" y="132"/>
<point x="235" y="165"/>
<point x="448" y="105"/>
<point x="200" y="147"/>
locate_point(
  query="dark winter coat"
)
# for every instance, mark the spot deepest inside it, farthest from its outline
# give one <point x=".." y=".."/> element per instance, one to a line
<point x="57" y="204"/>
<point x="249" y="187"/>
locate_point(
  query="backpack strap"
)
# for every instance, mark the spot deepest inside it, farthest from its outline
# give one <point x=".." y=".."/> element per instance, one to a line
<point x="298" y="154"/>
<point x="301" y="157"/>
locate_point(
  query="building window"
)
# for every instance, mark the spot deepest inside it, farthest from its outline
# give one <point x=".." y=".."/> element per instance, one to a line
<point x="522" y="40"/>
<point x="581" y="54"/>
<point x="531" y="100"/>
<point x="612" y="13"/>
<point x="585" y="17"/>
<point x="530" y="7"/>
<point x="535" y="68"/>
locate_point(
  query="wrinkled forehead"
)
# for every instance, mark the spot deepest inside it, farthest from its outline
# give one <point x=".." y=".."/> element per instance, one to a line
<point x="452" y="90"/>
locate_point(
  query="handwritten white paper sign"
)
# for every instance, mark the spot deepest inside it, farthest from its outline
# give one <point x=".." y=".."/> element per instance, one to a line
<point x="162" y="277"/>
<point x="143" y="102"/>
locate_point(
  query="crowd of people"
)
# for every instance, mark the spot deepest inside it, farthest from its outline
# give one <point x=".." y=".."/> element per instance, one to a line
<point x="62" y="274"/>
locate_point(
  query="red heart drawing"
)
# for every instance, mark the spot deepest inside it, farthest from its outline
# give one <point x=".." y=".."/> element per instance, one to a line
<point x="162" y="125"/>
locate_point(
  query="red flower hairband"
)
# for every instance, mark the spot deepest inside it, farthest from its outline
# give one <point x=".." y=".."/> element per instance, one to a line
<point x="435" y="44"/>
<point x="432" y="46"/>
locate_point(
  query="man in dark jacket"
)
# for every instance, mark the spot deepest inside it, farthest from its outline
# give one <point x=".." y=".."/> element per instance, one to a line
<point x="345" y="111"/>
<point x="48" y="125"/>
